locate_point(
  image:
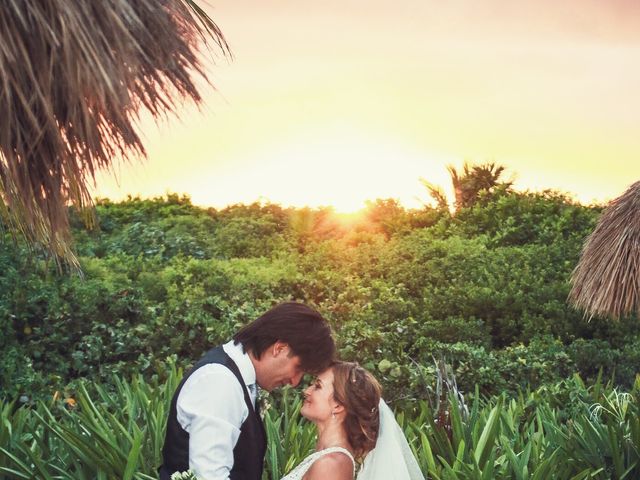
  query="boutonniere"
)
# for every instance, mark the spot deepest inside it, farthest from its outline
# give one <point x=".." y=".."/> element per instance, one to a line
<point x="263" y="402"/>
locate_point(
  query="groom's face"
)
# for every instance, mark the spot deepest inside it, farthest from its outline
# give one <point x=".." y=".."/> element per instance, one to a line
<point x="279" y="367"/>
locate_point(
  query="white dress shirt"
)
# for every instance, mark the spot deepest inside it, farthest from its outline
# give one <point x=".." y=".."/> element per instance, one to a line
<point x="211" y="409"/>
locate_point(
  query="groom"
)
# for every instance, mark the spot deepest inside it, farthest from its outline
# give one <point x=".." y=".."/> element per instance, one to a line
<point x="214" y="427"/>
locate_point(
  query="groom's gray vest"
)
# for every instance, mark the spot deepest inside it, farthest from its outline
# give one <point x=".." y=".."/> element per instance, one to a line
<point x="248" y="454"/>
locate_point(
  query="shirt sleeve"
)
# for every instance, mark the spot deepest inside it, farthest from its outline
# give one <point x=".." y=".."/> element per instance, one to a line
<point x="211" y="408"/>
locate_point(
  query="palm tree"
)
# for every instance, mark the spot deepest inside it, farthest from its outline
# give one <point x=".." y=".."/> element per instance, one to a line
<point x="437" y="194"/>
<point x="475" y="179"/>
<point x="74" y="77"/>
<point x="468" y="184"/>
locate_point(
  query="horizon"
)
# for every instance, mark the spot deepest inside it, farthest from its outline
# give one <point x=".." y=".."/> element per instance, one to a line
<point x="261" y="201"/>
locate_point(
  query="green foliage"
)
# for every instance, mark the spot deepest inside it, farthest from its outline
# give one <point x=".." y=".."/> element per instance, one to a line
<point x="516" y="218"/>
<point x="249" y="231"/>
<point x="566" y="430"/>
<point x="290" y="438"/>
<point x="485" y="289"/>
<point x="114" y="432"/>
<point x="528" y="437"/>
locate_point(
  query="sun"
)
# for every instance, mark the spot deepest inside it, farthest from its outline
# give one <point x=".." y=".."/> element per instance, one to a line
<point x="338" y="166"/>
<point x="327" y="167"/>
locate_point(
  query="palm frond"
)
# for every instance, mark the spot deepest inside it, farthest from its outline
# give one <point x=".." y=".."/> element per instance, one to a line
<point x="74" y="77"/>
<point x="606" y="281"/>
<point x="437" y="194"/>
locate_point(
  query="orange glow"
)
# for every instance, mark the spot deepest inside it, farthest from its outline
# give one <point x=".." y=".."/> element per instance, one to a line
<point x="332" y="166"/>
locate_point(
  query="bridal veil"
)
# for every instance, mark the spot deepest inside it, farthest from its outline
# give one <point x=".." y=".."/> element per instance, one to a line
<point x="392" y="458"/>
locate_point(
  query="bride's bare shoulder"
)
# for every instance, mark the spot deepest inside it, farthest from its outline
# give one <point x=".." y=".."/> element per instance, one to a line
<point x="335" y="465"/>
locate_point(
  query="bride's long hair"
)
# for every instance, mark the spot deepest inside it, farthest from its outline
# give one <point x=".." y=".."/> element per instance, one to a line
<point x="359" y="392"/>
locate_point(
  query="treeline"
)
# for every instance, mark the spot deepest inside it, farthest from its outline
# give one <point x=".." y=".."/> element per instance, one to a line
<point x="484" y="288"/>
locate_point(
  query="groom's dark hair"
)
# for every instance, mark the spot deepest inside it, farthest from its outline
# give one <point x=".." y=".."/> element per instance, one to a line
<point x="301" y="327"/>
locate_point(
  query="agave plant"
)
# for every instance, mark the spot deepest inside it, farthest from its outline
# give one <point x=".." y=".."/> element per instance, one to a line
<point x="607" y="437"/>
<point x="290" y="438"/>
<point x="110" y="433"/>
<point x="117" y="433"/>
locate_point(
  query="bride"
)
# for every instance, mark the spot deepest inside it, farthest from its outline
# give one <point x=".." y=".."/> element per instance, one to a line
<point x="354" y="425"/>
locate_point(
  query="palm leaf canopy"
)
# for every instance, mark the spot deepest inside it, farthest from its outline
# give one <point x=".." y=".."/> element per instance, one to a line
<point x="74" y="77"/>
<point x="606" y="281"/>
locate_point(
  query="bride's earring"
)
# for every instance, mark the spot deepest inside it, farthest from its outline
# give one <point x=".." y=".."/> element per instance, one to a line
<point x="333" y="414"/>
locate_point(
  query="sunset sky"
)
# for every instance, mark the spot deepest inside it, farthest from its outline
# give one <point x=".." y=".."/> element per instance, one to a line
<point x="336" y="102"/>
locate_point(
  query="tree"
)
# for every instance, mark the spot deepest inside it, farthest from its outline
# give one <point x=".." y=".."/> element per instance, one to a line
<point x="436" y="192"/>
<point x="473" y="180"/>
<point x="387" y="215"/>
<point x="469" y="184"/>
<point x="75" y="76"/>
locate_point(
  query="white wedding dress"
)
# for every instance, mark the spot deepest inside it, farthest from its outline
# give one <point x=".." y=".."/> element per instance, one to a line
<point x="299" y="472"/>
<point x="392" y="459"/>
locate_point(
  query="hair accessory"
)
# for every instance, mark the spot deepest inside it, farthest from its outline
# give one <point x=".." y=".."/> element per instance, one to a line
<point x="352" y="373"/>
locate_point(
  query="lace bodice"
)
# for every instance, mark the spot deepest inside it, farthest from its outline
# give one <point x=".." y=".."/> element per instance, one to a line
<point x="298" y="472"/>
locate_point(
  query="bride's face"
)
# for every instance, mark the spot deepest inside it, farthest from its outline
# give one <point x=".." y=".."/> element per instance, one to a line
<point x="319" y="404"/>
